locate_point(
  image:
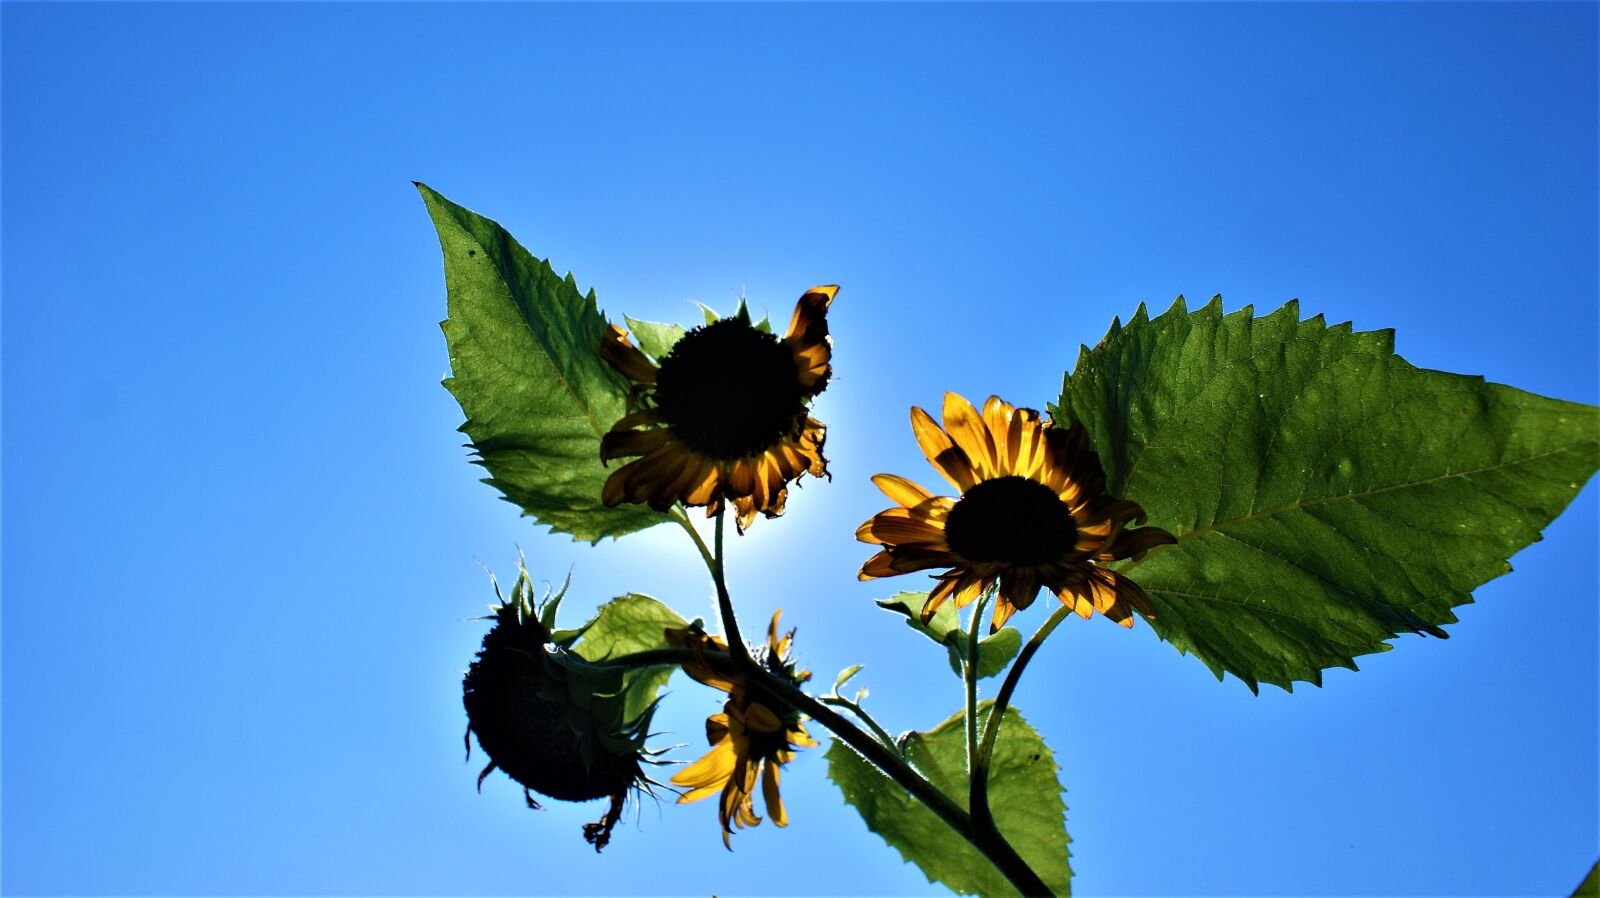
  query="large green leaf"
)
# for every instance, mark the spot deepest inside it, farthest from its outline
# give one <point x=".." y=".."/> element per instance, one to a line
<point x="525" y="363"/>
<point x="995" y="651"/>
<point x="624" y="626"/>
<point x="1326" y="494"/>
<point x="1023" y="793"/>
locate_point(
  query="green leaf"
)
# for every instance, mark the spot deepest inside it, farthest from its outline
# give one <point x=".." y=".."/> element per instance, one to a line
<point x="527" y="372"/>
<point x="1326" y="494"/>
<point x="1024" y="795"/>
<point x="627" y="625"/>
<point x="945" y="623"/>
<point x="995" y="651"/>
<point x="845" y="675"/>
<point x="655" y="339"/>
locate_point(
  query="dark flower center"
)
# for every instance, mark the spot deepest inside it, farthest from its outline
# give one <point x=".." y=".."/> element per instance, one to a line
<point x="729" y="391"/>
<point x="531" y="737"/>
<point x="1013" y="520"/>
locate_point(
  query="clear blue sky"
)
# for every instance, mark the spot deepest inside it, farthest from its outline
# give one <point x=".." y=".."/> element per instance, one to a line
<point x="241" y="535"/>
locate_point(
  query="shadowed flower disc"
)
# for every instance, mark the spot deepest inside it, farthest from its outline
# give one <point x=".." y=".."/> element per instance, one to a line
<point x="724" y="415"/>
<point x="533" y="722"/>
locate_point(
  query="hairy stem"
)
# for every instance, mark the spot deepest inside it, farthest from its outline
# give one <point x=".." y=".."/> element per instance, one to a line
<point x="970" y="676"/>
<point x="652" y="658"/>
<point x="979" y="799"/>
<point x="861" y="714"/>
<point x="680" y="516"/>
<point x="730" y="623"/>
<point x="988" y="841"/>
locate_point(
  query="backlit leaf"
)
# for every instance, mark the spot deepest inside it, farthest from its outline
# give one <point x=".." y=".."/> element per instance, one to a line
<point x="995" y="651"/>
<point x="527" y="372"/>
<point x="627" y="625"/>
<point x="1024" y="795"/>
<point x="1326" y="494"/>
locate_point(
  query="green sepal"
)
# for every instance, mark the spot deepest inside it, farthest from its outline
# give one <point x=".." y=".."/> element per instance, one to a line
<point x="655" y="339"/>
<point x="741" y="313"/>
<point x="547" y="611"/>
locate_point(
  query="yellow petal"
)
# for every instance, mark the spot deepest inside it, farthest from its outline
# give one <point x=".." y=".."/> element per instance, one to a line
<point x="706" y="775"/>
<point x="967" y="430"/>
<point x="901" y="491"/>
<point x="769" y="794"/>
<point x="941" y="452"/>
<point x="896" y="527"/>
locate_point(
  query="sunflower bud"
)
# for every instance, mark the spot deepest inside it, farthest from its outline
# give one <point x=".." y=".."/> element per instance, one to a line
<point x="550" y="720"/>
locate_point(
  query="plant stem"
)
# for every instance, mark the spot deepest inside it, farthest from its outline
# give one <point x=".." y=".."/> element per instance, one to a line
<point x="988" y="841"/>
<point x="730" y="623"/>
<point x="861" y="714"/>
<point x="970" y="676"/>
<point x="979" y="798"/>
<point x="681" y="516"/>
<point x="651" y="658"/>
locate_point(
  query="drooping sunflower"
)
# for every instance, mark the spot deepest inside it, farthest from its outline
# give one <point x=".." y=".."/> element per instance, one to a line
<point x="754" y="736"/>
<point x="724" y="416"/>
<point x="1032" y="514"/>
<point x="545" y="719"/>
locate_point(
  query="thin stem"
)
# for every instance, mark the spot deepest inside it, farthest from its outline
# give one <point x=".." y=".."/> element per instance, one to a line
<point x="979" y="800"/>
<point x="861" y="714"/>
<point x="681" y="516"/>
<point x="970" y="676"/>
<point x="652" y="658"/>
<point x="730" y="623"/>
<point x="987" y="841"/>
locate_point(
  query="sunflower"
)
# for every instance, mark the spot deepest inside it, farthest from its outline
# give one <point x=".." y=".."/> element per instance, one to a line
<point x="754" y="736"/>
<point x="724" y="415"/>
<point x="1032" y="513"/>
<point x="542" y="721"/>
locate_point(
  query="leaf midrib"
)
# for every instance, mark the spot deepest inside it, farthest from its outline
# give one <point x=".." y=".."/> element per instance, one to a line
<point x="1220" y="526"/>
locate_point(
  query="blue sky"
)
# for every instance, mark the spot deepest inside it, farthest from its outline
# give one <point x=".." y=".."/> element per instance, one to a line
<point x="242" y="538"/>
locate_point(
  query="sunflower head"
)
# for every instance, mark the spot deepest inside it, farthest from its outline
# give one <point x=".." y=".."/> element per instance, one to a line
<point x="1032" y="513"/>
<point x="752" y="738"/>
<point x="724" y="415"/>
<point x="550" y="721"/>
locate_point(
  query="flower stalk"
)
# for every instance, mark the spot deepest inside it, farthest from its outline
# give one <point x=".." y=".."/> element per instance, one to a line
<point x="986" y="839"/>
<point x="979" y="800"/>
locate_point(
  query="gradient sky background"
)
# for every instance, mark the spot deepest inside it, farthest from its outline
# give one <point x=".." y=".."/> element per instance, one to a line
<point x="242" y="538"/>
